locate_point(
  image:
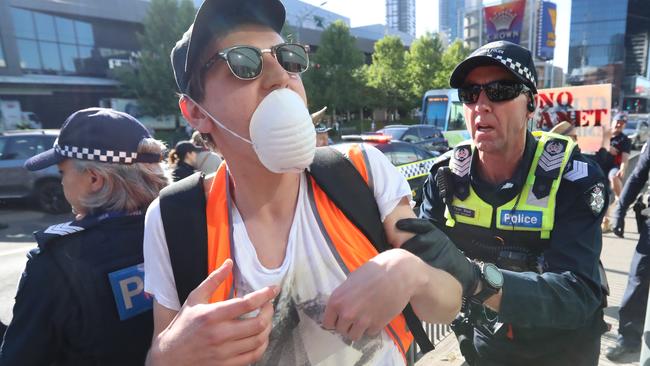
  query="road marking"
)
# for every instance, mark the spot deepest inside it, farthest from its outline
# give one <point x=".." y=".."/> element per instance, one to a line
<point x="12" y="252"/>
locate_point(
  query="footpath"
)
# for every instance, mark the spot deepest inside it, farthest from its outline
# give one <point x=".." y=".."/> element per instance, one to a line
<point x="616" y="256"/>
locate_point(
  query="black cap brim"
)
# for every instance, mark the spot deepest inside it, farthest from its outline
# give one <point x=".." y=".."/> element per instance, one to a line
<point x="43" y="160"/>
<point x="216" y="16"/>
<point x="458" y="76"/>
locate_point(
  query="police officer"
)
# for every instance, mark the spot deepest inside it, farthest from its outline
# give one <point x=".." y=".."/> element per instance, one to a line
<point x="80" y="300"/>
<point x="633" y="307"/>
<point x="527" y="211"/>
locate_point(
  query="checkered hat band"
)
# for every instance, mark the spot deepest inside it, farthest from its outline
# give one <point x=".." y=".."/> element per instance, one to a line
<point x="516" y="67"/>
<point x="106" y="156"/>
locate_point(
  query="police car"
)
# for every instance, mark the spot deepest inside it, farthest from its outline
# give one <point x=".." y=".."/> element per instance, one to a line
<point x="412" y="161"/>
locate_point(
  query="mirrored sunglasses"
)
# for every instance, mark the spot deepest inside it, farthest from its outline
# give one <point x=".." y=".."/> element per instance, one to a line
<point x="246" y="62"/>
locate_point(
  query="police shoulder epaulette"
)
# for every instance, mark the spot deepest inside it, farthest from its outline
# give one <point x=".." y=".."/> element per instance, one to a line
<point x="55" y="231"/>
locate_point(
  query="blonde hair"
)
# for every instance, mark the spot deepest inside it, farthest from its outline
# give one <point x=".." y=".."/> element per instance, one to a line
<point x="127" y="187"/>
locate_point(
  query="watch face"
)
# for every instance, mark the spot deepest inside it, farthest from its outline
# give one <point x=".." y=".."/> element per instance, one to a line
<point x="493" y="275"/>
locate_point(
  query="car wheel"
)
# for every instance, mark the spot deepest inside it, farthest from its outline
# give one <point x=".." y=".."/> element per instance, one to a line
<point x="50" y="197"/>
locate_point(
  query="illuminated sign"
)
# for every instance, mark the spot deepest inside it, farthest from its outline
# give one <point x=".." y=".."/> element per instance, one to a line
<point x="504" y="22"/>
<point x="546" y="30"/>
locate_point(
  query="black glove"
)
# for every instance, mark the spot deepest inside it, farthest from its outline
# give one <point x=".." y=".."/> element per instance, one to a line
<point x="436" y="249"/>
<point x="619" y="227"/>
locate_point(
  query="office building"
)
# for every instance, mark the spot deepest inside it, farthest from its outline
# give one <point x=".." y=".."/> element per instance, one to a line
<point x="450" y="19"/>
<point x="400" y="15"/>
<point x="610" y="43"/>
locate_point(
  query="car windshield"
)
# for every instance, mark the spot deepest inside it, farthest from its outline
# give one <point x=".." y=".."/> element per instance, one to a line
<point x="395" y="133"/>
<point x="631" y="125"/>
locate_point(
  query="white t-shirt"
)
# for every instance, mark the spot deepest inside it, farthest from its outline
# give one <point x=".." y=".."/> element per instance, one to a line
<point x="307" y="277"/>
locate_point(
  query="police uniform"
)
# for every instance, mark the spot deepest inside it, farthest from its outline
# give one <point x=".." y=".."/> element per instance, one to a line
<point x="81" y="298"/>
<point x="635" y="299"/>
<point x="542" y="228"/>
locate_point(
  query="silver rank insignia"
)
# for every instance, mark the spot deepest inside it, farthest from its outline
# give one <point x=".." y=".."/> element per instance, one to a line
<point x="596" y="198"/>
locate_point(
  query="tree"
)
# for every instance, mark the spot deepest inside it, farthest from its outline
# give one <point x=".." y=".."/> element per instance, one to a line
<point x="331" y="81"/>
<point x="387" y="73"/>
<point x="422" y="63"/>
<point x="452" y="56"/>
<point x="151" y="81"/>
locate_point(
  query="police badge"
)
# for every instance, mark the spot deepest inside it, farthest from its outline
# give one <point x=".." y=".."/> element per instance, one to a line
<point x="595" y="197"/>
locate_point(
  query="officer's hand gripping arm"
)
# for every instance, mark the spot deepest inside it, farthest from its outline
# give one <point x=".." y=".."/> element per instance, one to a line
<point x="436" y="249"/>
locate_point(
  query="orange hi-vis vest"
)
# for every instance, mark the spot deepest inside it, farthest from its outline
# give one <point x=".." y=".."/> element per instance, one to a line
<point x="352" y="247"/>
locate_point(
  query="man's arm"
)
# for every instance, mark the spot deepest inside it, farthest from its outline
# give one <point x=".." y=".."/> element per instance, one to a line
<point x="206" y="334"/>
<point x="389" y="281"/>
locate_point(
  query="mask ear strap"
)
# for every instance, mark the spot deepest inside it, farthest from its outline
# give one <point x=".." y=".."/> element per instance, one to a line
<point x="219" y="124"/>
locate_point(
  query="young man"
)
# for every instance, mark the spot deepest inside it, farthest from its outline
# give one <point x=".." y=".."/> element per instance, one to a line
<point x="620" y="147"/>
<point x="530" y="210"/>
<point x="290" y="280"/>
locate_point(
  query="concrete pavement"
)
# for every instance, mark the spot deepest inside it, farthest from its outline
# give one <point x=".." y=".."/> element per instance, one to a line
<point x="616" y="257"/>
<point x="15" y="241"/>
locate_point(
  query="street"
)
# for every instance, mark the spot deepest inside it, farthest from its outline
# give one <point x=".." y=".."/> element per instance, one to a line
<point x="15" y="242"/>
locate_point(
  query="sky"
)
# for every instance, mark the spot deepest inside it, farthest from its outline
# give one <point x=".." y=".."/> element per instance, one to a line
<point x="364" y="12"/>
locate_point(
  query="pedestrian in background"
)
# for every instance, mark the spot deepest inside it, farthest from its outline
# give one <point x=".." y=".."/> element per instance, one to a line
<point x="182" y="159"/>
<point x="207" y="160"/>
<point x="80" y="300"/>
<point x="635" y="299"/>
<point x="620" y="147"/>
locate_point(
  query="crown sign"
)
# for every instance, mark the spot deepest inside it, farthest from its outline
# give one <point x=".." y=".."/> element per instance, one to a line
<point x="503" y="19"/>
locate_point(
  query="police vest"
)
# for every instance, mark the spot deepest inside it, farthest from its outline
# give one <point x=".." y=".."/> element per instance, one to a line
<point x="526" y="221"/>
<point x="350" y="244"/>
<point x="101" y="259"/>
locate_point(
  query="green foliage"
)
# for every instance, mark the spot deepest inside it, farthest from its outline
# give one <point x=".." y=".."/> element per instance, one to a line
<point x="387" y="73"/>
<point x="332" y="79"/>
<point x="422" y="63"/>
<point x="152" y="81"/>
<point x="452" y="56"/>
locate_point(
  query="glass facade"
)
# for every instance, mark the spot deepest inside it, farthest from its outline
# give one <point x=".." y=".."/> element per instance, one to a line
<point x="597" y="43"/>
<point x="3" y="62"/>
<point x="450" y="18"/>
<point x="52" y="44"/>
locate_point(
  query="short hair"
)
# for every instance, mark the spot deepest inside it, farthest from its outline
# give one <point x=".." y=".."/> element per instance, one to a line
<point x="127" y="187"/>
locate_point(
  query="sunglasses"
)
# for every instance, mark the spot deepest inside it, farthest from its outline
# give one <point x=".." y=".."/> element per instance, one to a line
<point x="496" y="91"/>
<point x="245" y="62"/>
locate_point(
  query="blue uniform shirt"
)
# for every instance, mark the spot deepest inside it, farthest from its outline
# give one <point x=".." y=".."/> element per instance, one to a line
<point x="568" y="295"/>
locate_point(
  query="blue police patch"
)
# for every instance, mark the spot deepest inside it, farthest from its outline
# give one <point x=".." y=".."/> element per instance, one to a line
<point x="128" y="291"/>
<point x="518" y="218"/>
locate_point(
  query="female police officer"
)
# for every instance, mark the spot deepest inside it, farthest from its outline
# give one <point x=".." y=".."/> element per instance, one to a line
<point x="80" y="300"/>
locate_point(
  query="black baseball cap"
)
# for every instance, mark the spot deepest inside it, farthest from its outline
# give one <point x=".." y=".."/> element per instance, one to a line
<point x="184" y="147"/>
<point x="98" y="134"/>
<point x="217" y="17"/>
<point x="514" y="58"/>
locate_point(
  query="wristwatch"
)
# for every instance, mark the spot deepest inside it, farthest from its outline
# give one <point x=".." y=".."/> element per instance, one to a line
<point x="491" y="282"/>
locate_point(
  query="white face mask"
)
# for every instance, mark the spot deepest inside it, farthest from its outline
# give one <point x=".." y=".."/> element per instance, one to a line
<point x="281" y="130"/>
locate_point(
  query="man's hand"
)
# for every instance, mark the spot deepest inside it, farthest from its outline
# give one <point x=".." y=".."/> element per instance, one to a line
<point x="211" y="334"/>
<point x="620" y="174"/>
<point x="372" y="295"/>
<point x="436" y="249"/>
<point x="619" y="227"/>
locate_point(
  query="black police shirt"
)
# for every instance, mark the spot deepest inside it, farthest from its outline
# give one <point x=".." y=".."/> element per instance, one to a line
<point x="568" y="295"/>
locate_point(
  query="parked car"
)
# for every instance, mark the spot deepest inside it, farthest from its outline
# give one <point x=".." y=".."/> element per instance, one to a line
<point x="412" y="161"/>
<point x="424" y="136"/>
<point x="44" y="186"/>
<point x="637" y="129"/>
